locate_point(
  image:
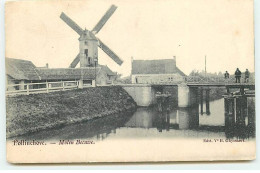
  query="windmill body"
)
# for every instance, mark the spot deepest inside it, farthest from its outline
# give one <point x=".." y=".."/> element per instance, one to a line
<point x="88" y="49"/>
<point x="89" y="43"/>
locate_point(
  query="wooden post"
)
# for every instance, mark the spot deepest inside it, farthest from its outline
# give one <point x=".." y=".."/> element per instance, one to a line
<point x="242" y="90"/>
<point x="27" y="88"/>
<point x="251" y="115"/>
<point x="240" y="118"/>
<point x="47" y="87"/>
<point x="207" y="102"/>
<point x="201" y="101"/>
<point x="229" y="117"/>
<point x="228" y="91"/>
<point x="21" y="86"/>
<point x="63" y="86"/>
<point x="80" y="84"/>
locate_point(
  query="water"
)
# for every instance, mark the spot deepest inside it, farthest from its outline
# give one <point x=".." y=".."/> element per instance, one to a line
<point x="146" y="123"/>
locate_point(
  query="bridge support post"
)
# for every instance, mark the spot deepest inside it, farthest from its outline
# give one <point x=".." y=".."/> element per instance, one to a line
<point x="251" y="115"/>
<point x="228" y="91"/>
<point x="183" y="95"/>
<point x="240" y="116"/>
<point x="207" y="102"/>
<point x="229" y="117"/>
<point x="143" y="95"/>
<point x="201" y="101"/>
<point x="242" y="90"/>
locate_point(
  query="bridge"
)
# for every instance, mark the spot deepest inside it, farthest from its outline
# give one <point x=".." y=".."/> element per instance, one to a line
<point x="186" y="89"/>
<point x="183" y="89"/>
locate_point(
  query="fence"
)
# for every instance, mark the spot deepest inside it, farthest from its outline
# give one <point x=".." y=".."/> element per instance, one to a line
<point x="44" y="87"/>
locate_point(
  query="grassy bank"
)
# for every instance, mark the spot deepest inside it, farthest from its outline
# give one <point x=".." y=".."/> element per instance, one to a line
<point x="26" y="114"/>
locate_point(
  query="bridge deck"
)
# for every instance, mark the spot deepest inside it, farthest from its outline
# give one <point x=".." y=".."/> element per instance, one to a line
<point x="231" y="85"/>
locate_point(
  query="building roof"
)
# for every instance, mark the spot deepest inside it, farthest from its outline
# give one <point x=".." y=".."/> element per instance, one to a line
<point x="26" y="70"/>
<point x="21" y="69"/>
<point x="72" y="73"/>
<point x="163" y="66"/>
<point x="66" y="73"/>
<point x="108" y="70"/>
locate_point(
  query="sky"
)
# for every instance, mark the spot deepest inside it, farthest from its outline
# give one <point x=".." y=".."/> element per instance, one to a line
<point x="221" y="30"/>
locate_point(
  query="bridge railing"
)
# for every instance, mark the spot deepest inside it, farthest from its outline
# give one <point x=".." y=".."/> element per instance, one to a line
<point x="196" y="80"/>
<point x="214" y="80"/>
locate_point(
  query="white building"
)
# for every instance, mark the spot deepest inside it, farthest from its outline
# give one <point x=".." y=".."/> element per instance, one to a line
<point x="156" y="71"/>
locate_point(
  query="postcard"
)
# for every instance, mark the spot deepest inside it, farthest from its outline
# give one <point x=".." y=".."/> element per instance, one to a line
<point x="129" y="81"/>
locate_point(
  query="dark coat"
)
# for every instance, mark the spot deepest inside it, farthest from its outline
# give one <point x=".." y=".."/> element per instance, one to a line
<point x="247" y="73"/>
<point x="238" y="73"/>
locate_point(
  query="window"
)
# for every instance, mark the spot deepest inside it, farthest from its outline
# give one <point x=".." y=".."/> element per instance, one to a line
<point x="16" y="87"/>
<point x="86" y="52"/>
<point x="89" y="60"/>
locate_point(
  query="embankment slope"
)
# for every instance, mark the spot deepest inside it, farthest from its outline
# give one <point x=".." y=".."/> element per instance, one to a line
<point x="31" y="113"/>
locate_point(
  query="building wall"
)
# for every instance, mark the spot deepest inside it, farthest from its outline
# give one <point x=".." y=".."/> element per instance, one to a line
<point x="102" y="78"/>
<point x="156" y="78"/>
<point x="10" y="81"/>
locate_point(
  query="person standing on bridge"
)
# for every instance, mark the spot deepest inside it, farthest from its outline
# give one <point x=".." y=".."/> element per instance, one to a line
<point x="247" y="74"/>
<point x="238" y="75"/>
<point x="226" y="75"/>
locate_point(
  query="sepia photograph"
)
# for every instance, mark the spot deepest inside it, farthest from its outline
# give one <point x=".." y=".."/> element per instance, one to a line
<point x="129" y="81"/>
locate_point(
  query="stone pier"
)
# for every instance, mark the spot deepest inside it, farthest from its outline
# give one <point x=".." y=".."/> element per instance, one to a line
<point x="187" y="96"/>
<point x="144" y="95"/>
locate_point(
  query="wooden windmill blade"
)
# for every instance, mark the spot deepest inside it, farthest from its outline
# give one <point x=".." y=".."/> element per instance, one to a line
<point x="75" y="62"/>
<point x="109" y="52"/>
<point x="71" y="23"/>
<point x="104" y="19"/>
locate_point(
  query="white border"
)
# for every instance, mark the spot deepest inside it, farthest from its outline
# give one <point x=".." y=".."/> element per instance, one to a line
<point x="179" y="166"/>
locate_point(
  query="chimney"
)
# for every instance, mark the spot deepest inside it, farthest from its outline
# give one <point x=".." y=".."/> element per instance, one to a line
<point x="47" y="65"/>
<point x="174" y="58"/>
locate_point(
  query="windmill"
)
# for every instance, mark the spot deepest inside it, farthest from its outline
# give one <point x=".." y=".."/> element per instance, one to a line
<point x="89" y="43"/>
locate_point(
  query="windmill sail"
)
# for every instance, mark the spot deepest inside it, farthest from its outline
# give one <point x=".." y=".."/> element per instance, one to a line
<point x="71" y="23"/>
<point x="104" y="19"/>
<point x="75" y="62"/>
<point x="110" y="53"/>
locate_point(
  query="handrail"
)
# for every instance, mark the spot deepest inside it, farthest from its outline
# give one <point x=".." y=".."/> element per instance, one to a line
<point x="25" y="88"/>
<point x="195" y="79"/>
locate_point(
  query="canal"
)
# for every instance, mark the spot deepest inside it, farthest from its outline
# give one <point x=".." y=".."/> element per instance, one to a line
<point x="149" y="122"/>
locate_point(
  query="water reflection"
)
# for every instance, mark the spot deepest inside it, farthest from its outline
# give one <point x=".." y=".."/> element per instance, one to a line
<point x="191" y="119"/>
<point x="97" y="129"/>
<point x="166" y="122"/>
